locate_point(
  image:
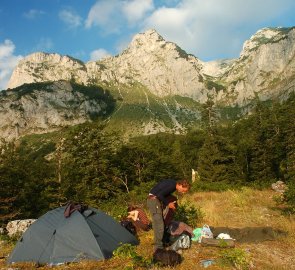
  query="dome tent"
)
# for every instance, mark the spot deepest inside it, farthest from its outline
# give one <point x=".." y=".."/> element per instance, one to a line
<point x="55" y="239"/>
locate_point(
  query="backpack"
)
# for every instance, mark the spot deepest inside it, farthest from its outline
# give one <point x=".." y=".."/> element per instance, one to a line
<point x="182" y="241"/>
<point x="166" y="257"/>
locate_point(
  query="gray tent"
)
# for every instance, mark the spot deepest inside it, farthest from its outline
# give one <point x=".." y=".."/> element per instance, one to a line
<point x="54" y="239"/>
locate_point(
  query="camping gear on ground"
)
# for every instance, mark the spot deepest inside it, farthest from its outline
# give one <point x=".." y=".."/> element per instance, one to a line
<point x="223" y="236"/>
<point x="178" y="228"/>
<point x="54" y="239"/>
<point x="128" y="225"/>
<point x="177" y="236"/>
<point x="205" y="233"/>
<point x="197" y="234"/>
<point x="207" y="263"/>
<point x="182" y="241"/>
<point x="200" y="233"/>
<point x="166" y="257"/>
<point x="223" y="243"/>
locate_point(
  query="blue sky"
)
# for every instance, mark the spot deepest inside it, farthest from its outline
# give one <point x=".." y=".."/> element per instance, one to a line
<point x="91" y="29"/>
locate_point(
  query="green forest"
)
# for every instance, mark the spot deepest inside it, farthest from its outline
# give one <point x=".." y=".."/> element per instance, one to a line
<point x="87" y="164"/>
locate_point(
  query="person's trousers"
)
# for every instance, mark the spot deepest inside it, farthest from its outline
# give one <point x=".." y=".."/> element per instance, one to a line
<point x="155" y="208"/>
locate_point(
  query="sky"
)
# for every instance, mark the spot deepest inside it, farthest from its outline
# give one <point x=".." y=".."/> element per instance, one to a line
<point x="92" y="29"/>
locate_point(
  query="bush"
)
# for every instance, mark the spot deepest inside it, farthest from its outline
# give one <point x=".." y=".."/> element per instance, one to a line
<point x="236" y="257"/>
<point x="118" y="212"/>
<point x="289" y="196"/>
<point x="127" y="252"/>
<point x="189" y="214"/>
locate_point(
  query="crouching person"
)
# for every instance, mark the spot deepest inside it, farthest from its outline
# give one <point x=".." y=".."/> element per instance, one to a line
<point x="139" y="218"/>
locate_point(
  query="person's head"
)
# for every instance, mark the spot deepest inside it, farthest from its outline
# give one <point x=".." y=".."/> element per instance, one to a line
<point x="131" y="208"/>
<point x="182" y="186"/>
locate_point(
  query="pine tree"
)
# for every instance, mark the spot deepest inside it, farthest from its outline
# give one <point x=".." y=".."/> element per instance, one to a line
<point x="217" y="161"/>
<point x="11" y="182"/>
<point x="86" y="172"/>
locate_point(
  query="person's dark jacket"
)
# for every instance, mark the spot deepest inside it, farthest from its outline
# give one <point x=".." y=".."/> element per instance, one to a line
<point x="163" y="189"/>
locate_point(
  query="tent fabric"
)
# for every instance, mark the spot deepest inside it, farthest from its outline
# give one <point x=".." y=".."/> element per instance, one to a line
<point x="54" y="239"/>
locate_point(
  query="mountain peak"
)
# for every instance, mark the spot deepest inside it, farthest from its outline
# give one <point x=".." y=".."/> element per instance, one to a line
<point x="150" y="34"/>
<point x="149" y="39"/>
<point x="48" y="66"/>
<point x="264" y="36"/>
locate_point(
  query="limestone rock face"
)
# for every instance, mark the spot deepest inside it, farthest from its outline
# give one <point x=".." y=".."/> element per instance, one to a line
<point x="150" y="71"/>
<point x="163" y="67"/>
<point x="41" y="67"/>
<point x="265" y="67"/>
<point x="44" y="110"/>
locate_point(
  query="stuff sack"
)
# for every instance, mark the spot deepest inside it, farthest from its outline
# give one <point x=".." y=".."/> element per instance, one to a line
<point x="166" y="257"/>
<point x="128" y="225"/>
<point x="182" y="241"/>
<point x="197" y="234"/>
<point x="205" y="233"/>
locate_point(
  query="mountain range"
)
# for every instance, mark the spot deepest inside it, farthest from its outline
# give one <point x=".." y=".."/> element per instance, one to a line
<point x="152" y="86"/>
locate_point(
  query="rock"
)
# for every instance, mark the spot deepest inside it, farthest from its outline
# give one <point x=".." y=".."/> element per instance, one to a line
<point x="265" y="67"/>
<point x="18" y="226"/>
<point x="279" y="186"/>
<point x="45" y="108"/>
<point x="148" y="71"/>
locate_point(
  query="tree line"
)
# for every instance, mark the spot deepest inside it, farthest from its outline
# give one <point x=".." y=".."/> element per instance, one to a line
<point x="86" y="164"/>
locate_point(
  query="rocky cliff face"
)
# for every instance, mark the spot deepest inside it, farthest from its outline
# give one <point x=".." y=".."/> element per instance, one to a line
<point x="39" y="108"/>
<point x="41" y="67"/>
<point x="163" y="67"/>
<point x="265" y="66"/>
<point x="147" y="78"/>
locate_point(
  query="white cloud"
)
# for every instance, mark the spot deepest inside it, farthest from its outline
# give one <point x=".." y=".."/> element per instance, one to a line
<point x="70" y="18"/>
<point x="99" y="54"/>
<point x="33" y="13"/>
<point x="8" y="62"/>
<point x="105" y="14"/>
<point x="213" y="27"/>
<point x="135" y="10"/>
<point x="111" y="15"/>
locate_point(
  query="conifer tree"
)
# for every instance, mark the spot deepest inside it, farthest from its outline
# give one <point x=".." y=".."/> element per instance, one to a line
<point x="10" y="184"/>
<point x="86" y="174"/>
<point x="217" y="161"/>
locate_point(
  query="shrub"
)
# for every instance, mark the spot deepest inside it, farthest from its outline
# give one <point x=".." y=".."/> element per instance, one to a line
<point x="189" y="214"/>
<point x="236" y="257"/>
<point x="289" y="196"/>
<point x="127" y="252"/>
<point x="118" y="212"/>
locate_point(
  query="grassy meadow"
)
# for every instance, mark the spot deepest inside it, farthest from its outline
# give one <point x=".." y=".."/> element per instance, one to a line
<point x="244" y="209"/>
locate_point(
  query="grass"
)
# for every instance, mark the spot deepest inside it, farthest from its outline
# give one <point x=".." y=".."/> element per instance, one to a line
<point x="238" y="209"/>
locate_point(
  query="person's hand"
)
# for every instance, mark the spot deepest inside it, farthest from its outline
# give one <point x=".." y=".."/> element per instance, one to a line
<point x="172" y="205"/>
